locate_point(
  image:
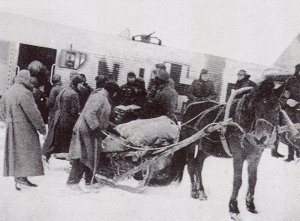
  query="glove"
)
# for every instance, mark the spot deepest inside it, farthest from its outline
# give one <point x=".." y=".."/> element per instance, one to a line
<point x="98" y="133"/>
<point x="291" y="102"/>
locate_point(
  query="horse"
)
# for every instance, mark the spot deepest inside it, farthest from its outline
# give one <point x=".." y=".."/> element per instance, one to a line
<point x="257" y="113"/>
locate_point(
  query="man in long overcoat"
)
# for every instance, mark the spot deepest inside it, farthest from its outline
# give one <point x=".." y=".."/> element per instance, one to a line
<point x="57" y="86"/>
<point x="67" y="108"/>
<point x="87" y="134"/>
<point x="22" y="151"/>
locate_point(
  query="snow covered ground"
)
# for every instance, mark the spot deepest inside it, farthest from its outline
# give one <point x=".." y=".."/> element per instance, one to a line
<point x="277" y="196"/>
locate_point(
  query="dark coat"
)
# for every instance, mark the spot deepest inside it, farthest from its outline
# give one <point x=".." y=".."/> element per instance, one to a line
<point x="245" y="82"/>
<point x="292" y="85"/>
<point x="67" y="110"/>
<point x="51" y="101"/>
<point x="40" y="100"/>
<point x="84" y="94"/>
<point x="164" y="104"/>
<point x="127" y="94"/>
<point x="95" y="115"/>
<point x="201" y="90"/>
<point x="22" y="151"/>
<point x="113" y="90"/>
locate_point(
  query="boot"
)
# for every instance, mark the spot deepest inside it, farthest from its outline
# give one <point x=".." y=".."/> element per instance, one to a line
<point x="250" y="204"/>
<point x="276" y="154"/>
<point x="233" y="206"/>
<point x="75" y="189"/>
<point x="297" y="153"/>
<point x="23" y="181"/>
<point x="291" y="154"/>
<point x="274" y="151"/>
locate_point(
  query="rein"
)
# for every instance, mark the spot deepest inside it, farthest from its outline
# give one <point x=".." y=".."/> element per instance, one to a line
<point x="185" y="124"/>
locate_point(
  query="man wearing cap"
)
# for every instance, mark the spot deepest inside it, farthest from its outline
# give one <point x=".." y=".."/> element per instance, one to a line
<point x="201" y="89"/>
<point x="127" y="92"/>
<point x="84" y="91"/>
<point x="291" y="103"/>
<point x="244" y="80"/>
<point x="113" y="90"/>
<point x="165" y="100"/>
<point x="87" y="136"/>
<point x="22" y="150"/>
<point x="152" y="89"/>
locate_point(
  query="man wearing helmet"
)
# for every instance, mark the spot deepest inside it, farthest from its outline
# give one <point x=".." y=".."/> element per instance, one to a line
<point x="201" y="89"/>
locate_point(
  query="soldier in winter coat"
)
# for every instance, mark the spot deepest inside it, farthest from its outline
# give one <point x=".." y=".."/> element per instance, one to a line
<point x="113" y="90"/>
<point x="244" y="80"/>
<point x="67" y="109"/>
<point x="127" y="93"/>
<point x="152" y="87"/>
<point x="140" y="92"/>
<point x="201" y="89"/>
<point x="87" y="135"/>
<point x="291" y="103"/>
<point x="22" y="151"/>
<point x="57" y="86"/>
<point x="165" y="100"/>
<point x="39" y="98"/>
<point x="84" y="92"/>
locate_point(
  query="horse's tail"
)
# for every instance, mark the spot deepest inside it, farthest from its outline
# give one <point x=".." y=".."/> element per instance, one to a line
<point x="178" y="162"/>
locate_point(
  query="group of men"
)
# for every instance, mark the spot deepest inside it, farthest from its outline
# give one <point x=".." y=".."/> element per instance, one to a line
<point x="78" y="115"/>
<point x="75" y="122"/>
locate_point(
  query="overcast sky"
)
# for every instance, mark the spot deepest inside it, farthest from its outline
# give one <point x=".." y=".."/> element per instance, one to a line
<point x="255" y="31"/>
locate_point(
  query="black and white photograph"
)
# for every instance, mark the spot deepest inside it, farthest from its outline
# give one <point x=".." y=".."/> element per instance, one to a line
<point x="136" y="110"/>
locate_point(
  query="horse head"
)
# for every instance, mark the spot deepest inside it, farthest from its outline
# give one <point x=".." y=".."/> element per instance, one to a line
<point x="260" y="115"/>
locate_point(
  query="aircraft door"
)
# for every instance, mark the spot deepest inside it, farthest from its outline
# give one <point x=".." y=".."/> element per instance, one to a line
<point x="47" y="56"/>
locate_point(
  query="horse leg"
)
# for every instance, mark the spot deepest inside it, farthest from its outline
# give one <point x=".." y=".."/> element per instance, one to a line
<point x="191" y="169"/>
<point x="253" y="161"/>
<point x="237" y="182"/>
<point x="191" y="165"/>
<point x="291" y="154"/>
<point x="274" y="151"/>
<point x="200" y="161"/>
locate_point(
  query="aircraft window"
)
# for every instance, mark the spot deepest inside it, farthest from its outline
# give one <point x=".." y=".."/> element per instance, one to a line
<point x="142" y="72"/>
<point x="71" y="59"/>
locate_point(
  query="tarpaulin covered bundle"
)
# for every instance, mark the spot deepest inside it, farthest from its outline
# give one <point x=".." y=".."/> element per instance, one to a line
<point x="147" y="132"/>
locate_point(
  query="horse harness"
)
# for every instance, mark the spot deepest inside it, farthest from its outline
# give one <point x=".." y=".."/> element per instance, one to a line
<point x="247" y="137"/>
